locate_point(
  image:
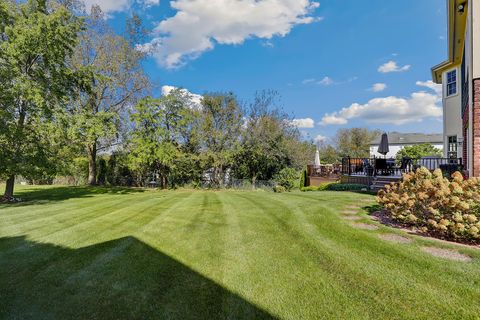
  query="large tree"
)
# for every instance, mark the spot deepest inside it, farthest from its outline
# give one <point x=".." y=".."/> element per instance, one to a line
<point x="115" y="81"/>
<point x="269" y="141"/>
<point x="163" y="137"/>
<point x="36" y="38"/>
<point x="220" y="127"/>
<point x="354" y="142"/>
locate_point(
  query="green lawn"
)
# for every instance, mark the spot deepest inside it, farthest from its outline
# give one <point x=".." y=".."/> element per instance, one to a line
<point x="93" y="253"/>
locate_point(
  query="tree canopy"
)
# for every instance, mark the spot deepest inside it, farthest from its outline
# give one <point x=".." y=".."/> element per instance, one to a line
<point x="36" y="38"/>
<point x="418" y="151"/>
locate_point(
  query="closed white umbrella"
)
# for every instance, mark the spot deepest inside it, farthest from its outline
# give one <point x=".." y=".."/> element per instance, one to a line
<point x="317" y="158"/>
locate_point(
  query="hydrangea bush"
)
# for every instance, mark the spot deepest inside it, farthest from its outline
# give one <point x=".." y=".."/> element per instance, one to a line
<point x="435" y="204"/>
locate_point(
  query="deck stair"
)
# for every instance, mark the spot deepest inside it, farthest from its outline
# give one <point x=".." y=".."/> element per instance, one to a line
<point x="380" y="182"/>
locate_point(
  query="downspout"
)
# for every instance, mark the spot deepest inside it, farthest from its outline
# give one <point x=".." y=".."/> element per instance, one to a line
<point x="470" y="89"/>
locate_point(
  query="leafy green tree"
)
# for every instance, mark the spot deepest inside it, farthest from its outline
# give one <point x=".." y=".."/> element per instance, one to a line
<point x="269" y="141"/>
<point x="115" y="81"/>
<point x="354" y="142"/>
<point x="36" y="38"/>
<point x="261" y="152"/>
<point x="418" y="151"/>
<point x="219" y="130"/>
<point x="328" y="154"/>
<point x="163" y="135"/>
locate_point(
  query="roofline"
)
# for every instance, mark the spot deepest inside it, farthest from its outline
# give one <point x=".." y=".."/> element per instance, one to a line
<point x="452" y="19"/>
<point x="409" y="143"/>
<point x="439" y="68"/>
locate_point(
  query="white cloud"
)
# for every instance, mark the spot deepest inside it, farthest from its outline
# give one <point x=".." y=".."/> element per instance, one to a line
<point x="149" y="3"/>
<point x="200" y="24"/>
<point x="431" y="85"/>
<point x="326" y="81"/>
<point x="319" y="139"/>
<point x="332" y="119"/>
<point x="392" y="110"/>
<point x="378" y="87"/>
<point x="195" y="98"/>
<point x="391" y="66"/>
<point x="307" y="81"/>
<point x="268" y="44"/>
<point x="109" y="6"/>
<point x="305" y="123"/>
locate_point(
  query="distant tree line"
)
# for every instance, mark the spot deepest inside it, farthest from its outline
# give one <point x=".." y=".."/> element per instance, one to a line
<point x="75" y="103"/>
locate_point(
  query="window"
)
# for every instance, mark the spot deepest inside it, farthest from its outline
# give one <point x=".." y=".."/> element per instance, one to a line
<point x="452" y="147"/>
<point x="451" y="82"/>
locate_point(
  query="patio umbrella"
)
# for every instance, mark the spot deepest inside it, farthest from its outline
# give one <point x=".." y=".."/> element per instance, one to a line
<point x="317" y="158"/>
<point x="383" y="147"/>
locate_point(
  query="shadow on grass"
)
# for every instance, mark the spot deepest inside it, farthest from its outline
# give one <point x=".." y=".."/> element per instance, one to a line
<point x="39" y="195"/>
<point x="119" y="279"/>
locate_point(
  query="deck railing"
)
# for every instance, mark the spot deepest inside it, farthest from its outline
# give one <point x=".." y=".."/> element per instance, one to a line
<point x="323" y="170"/>
<point x="394" y="167"/>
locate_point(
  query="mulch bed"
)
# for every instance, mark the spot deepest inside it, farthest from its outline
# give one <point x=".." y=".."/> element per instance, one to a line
<point x="383" y="217"/>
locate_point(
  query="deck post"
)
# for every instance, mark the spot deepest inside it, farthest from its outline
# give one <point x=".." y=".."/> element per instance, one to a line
<point x="349" y="166"/>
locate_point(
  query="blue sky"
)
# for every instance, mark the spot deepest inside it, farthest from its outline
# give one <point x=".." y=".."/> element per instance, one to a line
<point x="321" y="57"/>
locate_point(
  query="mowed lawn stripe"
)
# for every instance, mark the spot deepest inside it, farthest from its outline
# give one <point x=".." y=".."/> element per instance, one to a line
<point x="302" y="267"/>
<point x="354" y="248"/>
<point x="219" y="255"/>
<point x="63" y="216"/>
<point x="191" y="232"/>
<point x="102" y="227"/>
<point x="363" y="282"/>
<point x="387" y="256"/>
<point x="192" y="228"/>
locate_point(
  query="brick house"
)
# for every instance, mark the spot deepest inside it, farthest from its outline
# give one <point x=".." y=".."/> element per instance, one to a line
<point x="460" y="77"/>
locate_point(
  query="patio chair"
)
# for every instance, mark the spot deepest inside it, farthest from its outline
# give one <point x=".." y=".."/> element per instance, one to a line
<point x="404" y="165"/>
<point x="381" y="165"/>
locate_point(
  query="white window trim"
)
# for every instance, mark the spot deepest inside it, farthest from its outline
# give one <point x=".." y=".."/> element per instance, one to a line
<point x="445" y="95"/>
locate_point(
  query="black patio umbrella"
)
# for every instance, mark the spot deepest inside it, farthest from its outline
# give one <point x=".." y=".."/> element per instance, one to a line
<point x="383" y="147"/>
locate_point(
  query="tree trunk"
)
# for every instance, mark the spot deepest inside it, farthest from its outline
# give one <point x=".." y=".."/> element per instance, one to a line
<point x="9" y="188"/>
<point x="164" y="182"/>
<point x="92" y="164"/>
<point x="11" y="179"/>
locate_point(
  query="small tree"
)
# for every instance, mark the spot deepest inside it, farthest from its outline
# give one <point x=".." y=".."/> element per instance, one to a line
<point x="418" y="151"/>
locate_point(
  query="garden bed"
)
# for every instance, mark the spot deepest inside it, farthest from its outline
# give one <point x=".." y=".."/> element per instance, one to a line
<point x="385" y="218"/>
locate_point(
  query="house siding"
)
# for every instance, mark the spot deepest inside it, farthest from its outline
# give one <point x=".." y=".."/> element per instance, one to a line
<point x="476" y="128"/>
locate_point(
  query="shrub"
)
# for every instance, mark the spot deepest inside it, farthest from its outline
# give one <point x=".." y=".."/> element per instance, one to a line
<point x="279" y="189"/>
<point x="287" y="178"/>
<point x="303" y="179"/>
<point x="309" y="188"/>
<point x="321" y="187"/>
<point x="433" y="203"/>
<point x="346" y="187"/>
